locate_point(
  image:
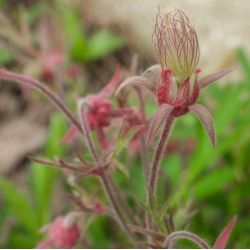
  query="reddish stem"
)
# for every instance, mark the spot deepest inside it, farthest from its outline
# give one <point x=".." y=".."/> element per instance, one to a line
<point x="175" y="236"/>
<point x="86" y="131"/>
<point x="7" y="75"/>
<point x="154" y="172"/>
<point x="105" y="179"/>
<point x="108" y="190"/>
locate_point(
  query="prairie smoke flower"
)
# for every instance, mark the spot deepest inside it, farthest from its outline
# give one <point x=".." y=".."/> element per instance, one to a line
<point x="62" y="233"/>
<point x="177" y="84"/>
<point x="176" y="43"/>
<point x="100" y="111"/>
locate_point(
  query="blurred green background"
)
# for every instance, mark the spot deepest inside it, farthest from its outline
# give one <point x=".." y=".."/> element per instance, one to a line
<point x="205" y="187"/>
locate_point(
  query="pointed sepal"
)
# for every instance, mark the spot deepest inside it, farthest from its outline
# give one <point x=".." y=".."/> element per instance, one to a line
<point x="223" y="238"/>
<point x="138" y="81"/>
<point x="205" y="81"/>
<point x="206" y="120"/>
<point x="161" y="115"/>
<point x="155" y="70"/>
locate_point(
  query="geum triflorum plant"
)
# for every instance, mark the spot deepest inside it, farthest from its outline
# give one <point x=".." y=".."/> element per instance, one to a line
<point x="177" y="80"/>
<point x="176" y="92"/>
<point x="177" y="85"/>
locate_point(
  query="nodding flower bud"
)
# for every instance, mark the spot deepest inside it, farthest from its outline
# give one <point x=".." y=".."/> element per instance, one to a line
<point x="176" y="43"/>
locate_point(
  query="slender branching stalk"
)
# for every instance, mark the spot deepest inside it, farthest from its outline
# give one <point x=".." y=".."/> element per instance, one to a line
<point x="24" y="80"/>
<point x="86" y="131"/>
<point x="173" y="237"/>
<point x="104" y="177"/>
<point x="82" y="127"/>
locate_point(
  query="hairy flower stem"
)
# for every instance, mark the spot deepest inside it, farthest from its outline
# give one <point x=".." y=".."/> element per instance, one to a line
<point x="86" y="131"/>
<point x="175" y="236"/>
<point x="154" y="171"/>
<point x="104" y="177"/>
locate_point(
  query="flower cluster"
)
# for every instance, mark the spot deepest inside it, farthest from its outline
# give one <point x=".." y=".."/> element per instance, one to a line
<point x="100" y="111"/>
<point x="177" y="85"/>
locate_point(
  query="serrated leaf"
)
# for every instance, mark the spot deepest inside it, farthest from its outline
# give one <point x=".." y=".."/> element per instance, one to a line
<point x="223" y="238"/>
<point x="206" y="120"/>
<point x="161" y="115"/>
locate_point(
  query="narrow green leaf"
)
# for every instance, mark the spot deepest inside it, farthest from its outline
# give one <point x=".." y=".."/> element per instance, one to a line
<point x="5" y="57"/>
<point x="122" y="167"/>
<point x="102" y="43"/>
<point x="19" y="205"/>
<point x="214" y="182"/>
<point x="123" y="140"/>
<point x="19" y="239"/>
<point x="43" y="177"/>
<point x="244" y="62"/>
<point x="75" y="33"/>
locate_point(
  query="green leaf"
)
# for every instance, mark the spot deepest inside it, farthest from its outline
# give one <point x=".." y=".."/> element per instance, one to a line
<point x="97" y="228"/>
<point x="75" y="34"/>
<point x="227" y="109"/>
<point x="19" y="205"/>
<point x="19" y="239"/>
<point x="43" y="177"/>
<point x="213" y="182"/>
<point x="122" y="167"/>
<point x="35" y="11"/>
<point x="172" y="168"/>
<point x="244" y="62"/>
<point x="5" y="57"/>
<point x="102" y="43"/>
<point x="123" y="140"/>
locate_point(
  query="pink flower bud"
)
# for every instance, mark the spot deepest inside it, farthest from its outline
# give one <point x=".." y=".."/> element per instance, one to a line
<point x="99" y="113"/>
<point x="176" y="43"/>
<point x="62" y="234"/>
